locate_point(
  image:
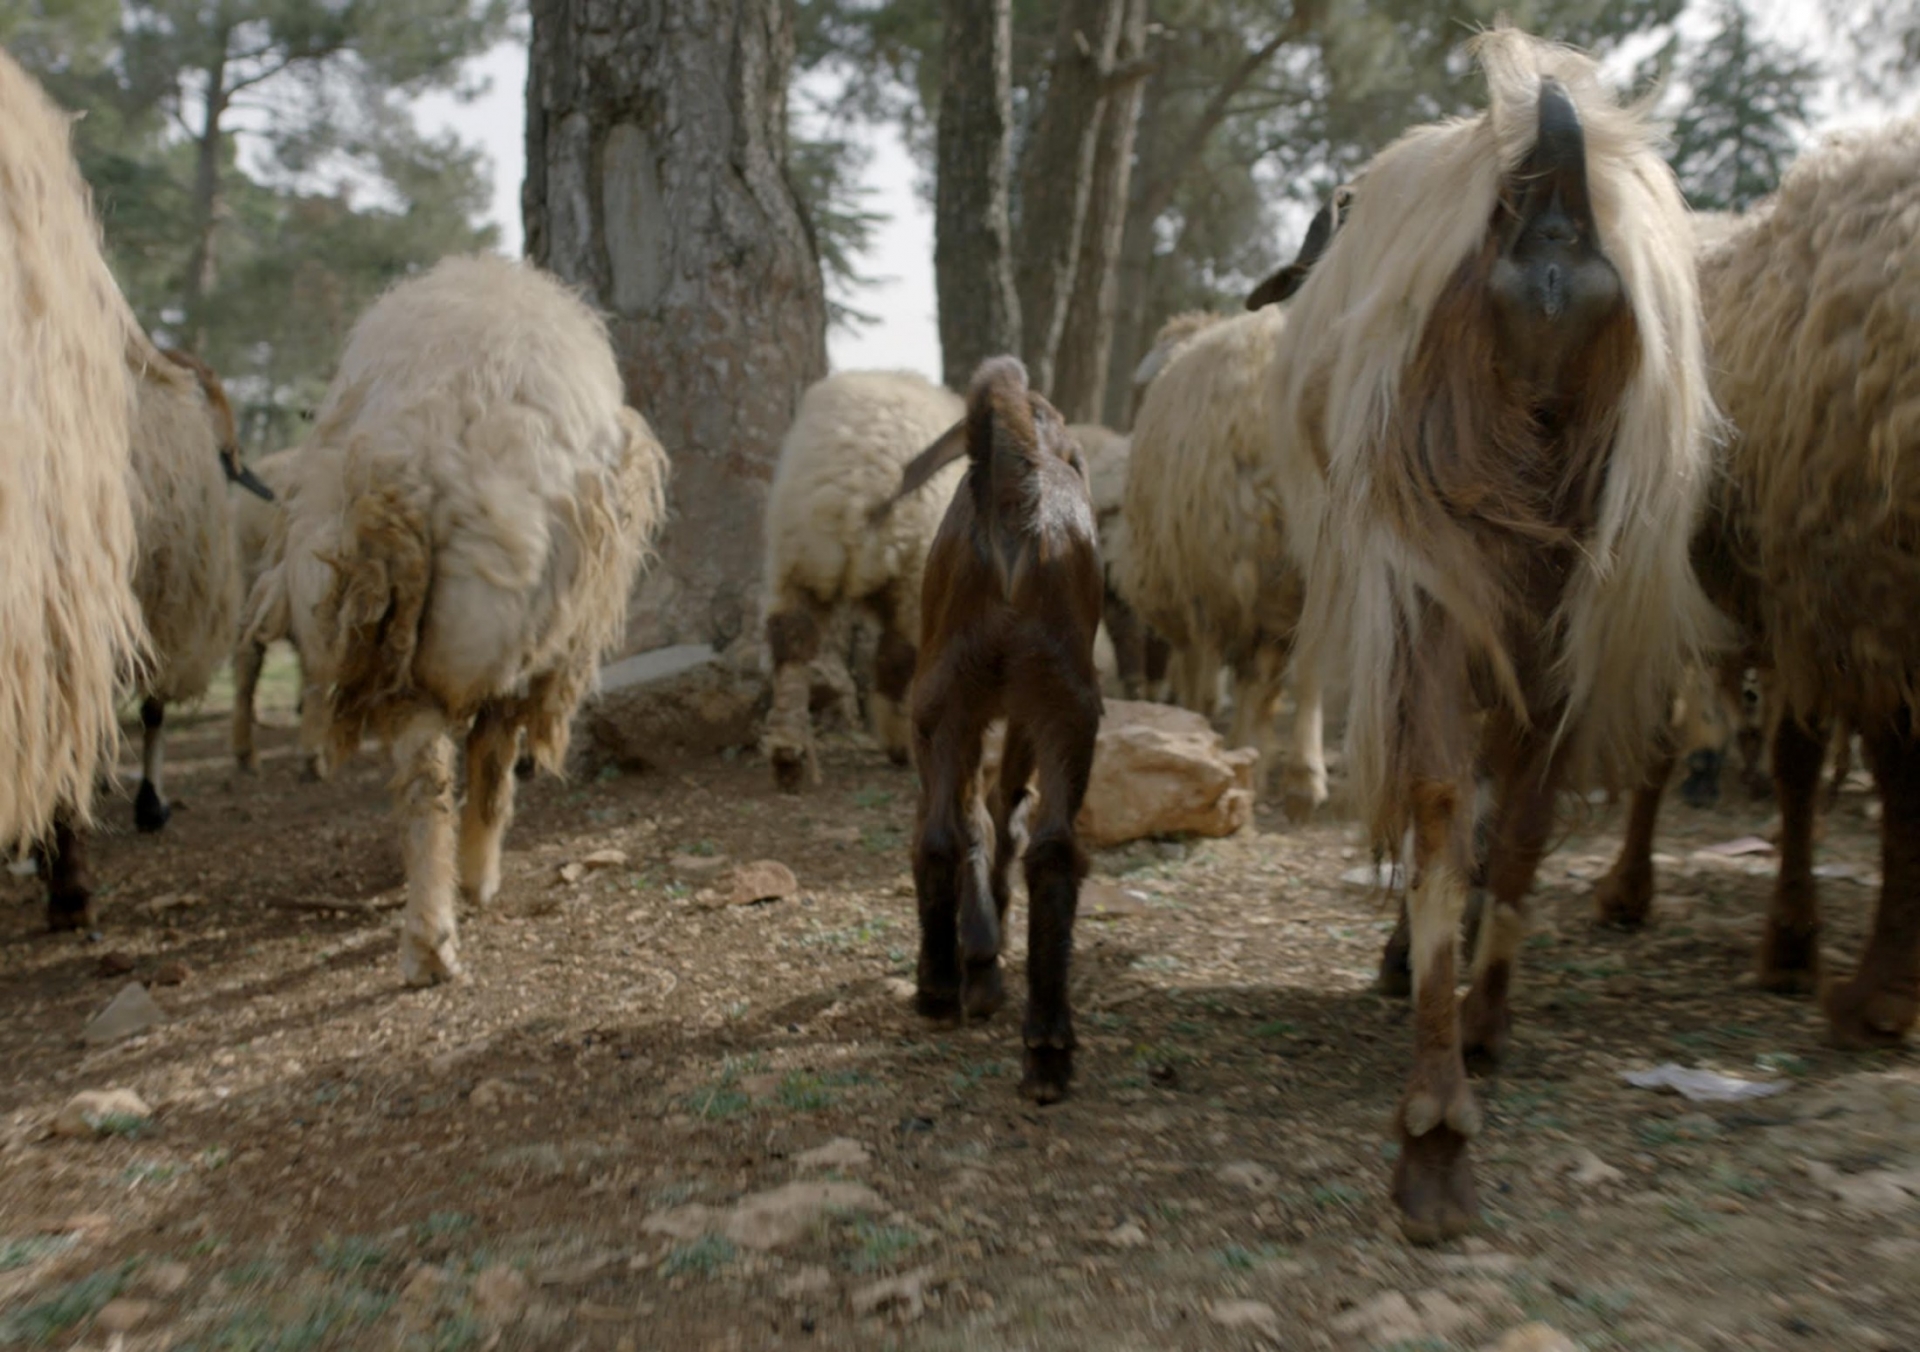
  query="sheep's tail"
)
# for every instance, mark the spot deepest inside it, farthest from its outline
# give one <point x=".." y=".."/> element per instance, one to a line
<point x="919" y="471"/>
<point x="382" y="573"/>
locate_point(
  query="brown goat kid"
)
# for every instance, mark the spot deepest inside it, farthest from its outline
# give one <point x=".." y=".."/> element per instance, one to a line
<point x="1010" y="604"/>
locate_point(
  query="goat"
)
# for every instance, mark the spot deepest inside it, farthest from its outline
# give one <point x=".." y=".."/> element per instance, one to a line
<point x="1009" y="609"/>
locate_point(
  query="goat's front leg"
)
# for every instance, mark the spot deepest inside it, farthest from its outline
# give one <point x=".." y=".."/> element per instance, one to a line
<point x="1625" y="894"/>
<point x="422" y="789"/>
<point x="150" y="810"/>
<point x="893" y="662"/>
<point x="492" y="747"/>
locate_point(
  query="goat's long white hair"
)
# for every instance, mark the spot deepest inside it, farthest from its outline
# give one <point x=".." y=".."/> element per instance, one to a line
<point x="1633" y="613"/>
<point x="69" y="628"/>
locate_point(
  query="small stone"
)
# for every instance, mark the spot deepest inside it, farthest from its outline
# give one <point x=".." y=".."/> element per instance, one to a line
<point x="93" y="1111"/>
<point x="578" y="1273"/>
<point x="424" y="1287"/>
<point x="1126" y="1235"/>
<point x="772" y="1220"/>
<point x="171" y="973"/>
<point x="572" y="873"/>
<point x="905" y="1295"/>
<point x="1590" y="1171"/>
<point x="808" y="1281"/>
<point x="1535" y="1337"/>
<point x="1388" y="1318"/>
<point x="163" y="1279"/>
<point x="500" y="1293"/>
<point x="118" y="962"/>
<point x="490" y="1094"/>
<point x="682" y="1222"/>
<point x="1246" y="1174"/>
<point x="131" y="1011"/>
<point x="761" y="881"/>
<point x="608" y="858"/>
<point x="1440" y="1315"/>
<point x="900" y="988"/>
<point x="1245" y="1314"/>
<point x="839" y="1153"/>
<point x="122" y="1315"/>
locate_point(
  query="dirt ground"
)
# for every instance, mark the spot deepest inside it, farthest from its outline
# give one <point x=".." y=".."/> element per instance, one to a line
<point x="589" y="1142"/>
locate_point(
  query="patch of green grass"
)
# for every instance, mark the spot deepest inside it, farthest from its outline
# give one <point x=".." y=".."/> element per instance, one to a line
<point x="131" y="1126"/>
<point x="1782" y="1063"/>
<point x="882" y="839"/>
<point x="457" y="1332"/>
<point x="718" y="1103"/>
<point x="336" y="1317"/>
<point x="706" y="849"/>
<point x="148" y="1171"/>
<point x="1277" y="1028"/>
<point x="253" y="1272"/>
<point x="214" y="1157"/>
<point x="30" y="1249"/>
<point x="849" y="939"/>
<point x="1729" y="1179"/>
<point x="1336" y="1194"/>
<point x="804" y="1092"/>
<point x="1239" y="1258"/>
<point x="872" y="796"/>
<point x="705" y="1256"/>
<point x="441" y="1225"/>
<point x="349" y="1253"/>
<point x="44" y="1320"/>
<point x="880" y="1246"/>
<point x="1656" y="1131"/>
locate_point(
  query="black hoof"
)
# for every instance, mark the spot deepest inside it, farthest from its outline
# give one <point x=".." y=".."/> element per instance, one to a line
<point x="1048" y="1072"/>
<point x="69" y="911"/>
<point x="150" y="812"/>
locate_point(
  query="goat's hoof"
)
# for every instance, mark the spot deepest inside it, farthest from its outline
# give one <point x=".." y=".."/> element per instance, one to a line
<point x="1869" y="1011"/>
<point x="1622" y="898"/>
<point x="938" y="1003"/>
<point x="1485" y="1026"/>
<point x="789" y="771"/>
<point x="150" y="811"/>
<point x="1047" y="1074"/>
<point x="982" y="989"/>
<point x="1789" y="960"/>
<point x="1433" y="1186"/>
<point x="69" y="911"/>
<point x="427" y="964"/>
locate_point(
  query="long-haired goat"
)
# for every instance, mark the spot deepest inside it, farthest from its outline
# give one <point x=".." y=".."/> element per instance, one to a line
<point x="69" y="624"/>
<point x="1008" y="616"/>
<point x="836" y="536"/>
<point x="461" y="533"/>
<point x="1498" y="363"/>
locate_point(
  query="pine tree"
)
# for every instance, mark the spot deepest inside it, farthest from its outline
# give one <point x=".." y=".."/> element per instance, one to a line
<point x="1744" y="114"/>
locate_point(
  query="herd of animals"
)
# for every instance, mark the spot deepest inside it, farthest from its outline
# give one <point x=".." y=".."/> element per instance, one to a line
<point x="1520" y="459"/>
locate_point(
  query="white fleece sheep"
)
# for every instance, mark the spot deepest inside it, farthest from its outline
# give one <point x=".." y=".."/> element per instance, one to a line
<point x="254" y="522"/>
<point x="1135" y="653"/>
<point x="1210" y="513"/>
<point x="69" y="624"/>
<point x="461" y="533"/>
<point x="842" y="458"/>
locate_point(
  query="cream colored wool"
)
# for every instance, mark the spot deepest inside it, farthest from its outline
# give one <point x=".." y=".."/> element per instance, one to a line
<point x="187" y="579"/>
<point x="69" y="626"/>
<point x="254" y="522"/>
<point x="460" y="536"/>
<point x="1210" y="510"/>
<point x="1173" y="334"/>
<point x="852" y="436"/>
<point x="1814" y="342"/>
<point x="1106" y="453"/>
<point x="1633" y="615"/>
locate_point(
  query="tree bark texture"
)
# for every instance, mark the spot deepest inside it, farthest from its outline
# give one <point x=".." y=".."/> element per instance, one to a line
<point x="1056" y="170"/>
<point x="973" y="250"/>
<point x="206" y="198"/>
<point x="656" y="182"/>
<point x="1134" y="270"/>
<point x="1080" y="369"/>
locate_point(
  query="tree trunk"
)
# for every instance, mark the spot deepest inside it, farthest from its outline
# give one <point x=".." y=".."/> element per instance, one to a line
<point x="1055" y="176"/>
<point x="1080" y="370"/>
<point x="972" y="250"/>
<point x="656" y="181"/>
<point x="1133" y="318"/>
<point x="206" y="199"/>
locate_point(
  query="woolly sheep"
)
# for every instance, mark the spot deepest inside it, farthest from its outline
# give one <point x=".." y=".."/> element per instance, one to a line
<point x="254" y="521"/>
<point x="1814" y="340"/>
<point x="69" y="624"/>
<point x="461" y="533"/>
<point x="1209" y="513"/>
<point x="1138" y="654"/>
<point x="840" y="463"/>
<point x="1499" y="367"/>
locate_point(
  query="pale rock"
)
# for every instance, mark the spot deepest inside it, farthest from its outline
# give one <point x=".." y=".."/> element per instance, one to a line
<point x="500" y="1293"/>
<point x="1590" y="1171"/>
<point x="904" y="1295"/>
<point x="1388" y="1318"/>
<point x="683" y="1222"/>
<point x="1126" y="1235"/>
<point x="490" y="1094"/>
<point x="132" y="1011"/>
<point x="607" y="858"/>
<point x="762" y="880"/>
<point x="1246" y="1174"/>
<point x="88" y="1111"/>
<point x="425" y="1287"/>
<point x="1440" y="1315"/>
<point x="1157" y="770"/>
<point x="1252" y="1315"/>
<point x="900" y="988"/>
<point x="772" y="1220"/>
<point x="122" y="1315"/>
<point x="1535" y="1337"/>
<point x="577" y="1273"/>
<point x="573" y="872"/>
<point x="1495" y="1264"/>
<point x="163" y="1279"/>
<point x="839" y="1153"/>
<point x="808" y="1281"/>
<point x="671" y="704"/>
<point x="1879" y="1192"/>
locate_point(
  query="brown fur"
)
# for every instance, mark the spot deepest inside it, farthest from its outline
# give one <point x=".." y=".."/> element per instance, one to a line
<point x="1009" y="611"/>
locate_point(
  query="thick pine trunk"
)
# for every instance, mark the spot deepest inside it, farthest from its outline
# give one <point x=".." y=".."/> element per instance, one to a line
<point x="656" y="181"/>
<point x="1056" y="171"/>
<point x="206" y="200"/>
<point x="1080" y="370"/>
<point x="972" y="251"/>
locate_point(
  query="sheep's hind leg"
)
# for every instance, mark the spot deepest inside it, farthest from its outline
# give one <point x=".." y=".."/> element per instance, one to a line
<point x="1878" y="1004"/>
<point x="893" y="664"/>
<point x="248" y="658"/>
<point x="1624" y="895"/>
<point x="1304" y="786"/>
<point x="150" y="810"/>
<point x="1789" y="957"/>
<point x="947" y="751"/>
<point x="793" y="641"/>
<point x="423" y="792"/>
<point x="492" y="746"/>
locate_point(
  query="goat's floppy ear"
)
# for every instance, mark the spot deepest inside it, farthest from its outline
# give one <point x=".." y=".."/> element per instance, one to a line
<point x="949" y="446"/>
<point x="1289" y="279"/>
